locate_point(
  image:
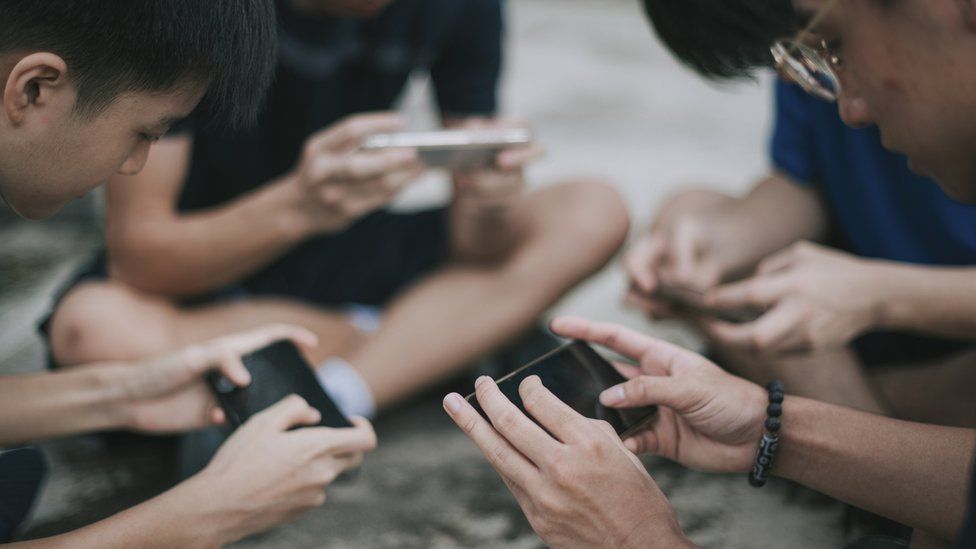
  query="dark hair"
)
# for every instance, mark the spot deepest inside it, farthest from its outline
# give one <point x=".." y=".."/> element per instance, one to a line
<point x="118" y="46"/>
<point x="722" y="38"/>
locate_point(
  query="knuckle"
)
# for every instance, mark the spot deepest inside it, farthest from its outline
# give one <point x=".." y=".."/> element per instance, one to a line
<point x="507" y="420"/>
<point x="560" y="470"/>
<point x="498" y="456"/>
<point x="470" y="425"/>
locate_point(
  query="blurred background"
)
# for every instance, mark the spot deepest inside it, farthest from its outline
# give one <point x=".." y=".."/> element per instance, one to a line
<point x="607" y="101"/>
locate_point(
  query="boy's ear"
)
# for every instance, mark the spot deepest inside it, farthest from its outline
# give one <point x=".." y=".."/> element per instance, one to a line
<point x="35" y="81"/>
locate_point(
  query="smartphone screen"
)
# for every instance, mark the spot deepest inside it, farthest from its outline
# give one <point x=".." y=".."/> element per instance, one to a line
<point x="577" y="375"/>
<point x="276" y="371"/>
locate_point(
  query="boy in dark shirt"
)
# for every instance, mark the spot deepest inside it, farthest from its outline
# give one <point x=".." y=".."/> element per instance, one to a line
<point x="286" y="222"/>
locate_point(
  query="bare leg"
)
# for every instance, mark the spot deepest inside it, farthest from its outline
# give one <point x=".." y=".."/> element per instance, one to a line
<point x="940" y="392"/>
<point x="835" y="376"/>
<point x="110" y="321"/>
<point x="431" y="330"/>
<point x="462" y="312"/>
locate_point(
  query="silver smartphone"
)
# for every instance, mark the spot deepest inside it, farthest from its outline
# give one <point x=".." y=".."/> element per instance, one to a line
<point x="454" y="149"/>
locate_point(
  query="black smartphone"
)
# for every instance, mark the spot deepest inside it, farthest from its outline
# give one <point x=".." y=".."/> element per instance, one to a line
<point x="576" y="374"/>
<point x="277" y="371"/>
<point x="689" y="301"/>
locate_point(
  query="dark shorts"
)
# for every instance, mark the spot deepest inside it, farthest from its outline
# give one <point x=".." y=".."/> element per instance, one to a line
<point x="368" y="264"/>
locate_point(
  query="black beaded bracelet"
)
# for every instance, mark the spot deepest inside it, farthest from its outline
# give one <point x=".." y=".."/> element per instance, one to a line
<point x="770" y="439"/>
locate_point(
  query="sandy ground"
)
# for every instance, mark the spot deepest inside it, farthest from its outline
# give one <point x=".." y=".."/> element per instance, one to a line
<point x="608" y="102"/>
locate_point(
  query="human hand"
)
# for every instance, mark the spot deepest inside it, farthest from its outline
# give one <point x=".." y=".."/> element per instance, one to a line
<point x="579" y="487"/>
<point x="816" y="298"/>
<point x="684" y="254"/>
<point x="169" y="395"/>
<point x="505" y="178"/>
<point x="707" y="419"/>
<point x="266" y="474"/>
<point x="337" y="183"/>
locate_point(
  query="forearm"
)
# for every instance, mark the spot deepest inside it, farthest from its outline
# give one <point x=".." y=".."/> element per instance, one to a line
<point x="775" y="214"/>
<point x="913" y="473"/>
<point x="938" y="301"/>
<point x="42" y="406"/>
<point x="182" y="517"/>
<point x="193" y="253"/>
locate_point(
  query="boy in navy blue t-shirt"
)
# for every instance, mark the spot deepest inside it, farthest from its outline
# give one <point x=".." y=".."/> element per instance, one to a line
<point x="893" y="287"/>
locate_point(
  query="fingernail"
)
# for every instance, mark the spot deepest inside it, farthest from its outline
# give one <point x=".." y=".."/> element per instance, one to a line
<point x="452" y="403"/>
<point x="481" y="380"/>
<point x="612" y="396"/>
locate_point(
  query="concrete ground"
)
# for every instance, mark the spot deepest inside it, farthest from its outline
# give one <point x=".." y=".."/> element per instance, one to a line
<point x="607" y="101"/>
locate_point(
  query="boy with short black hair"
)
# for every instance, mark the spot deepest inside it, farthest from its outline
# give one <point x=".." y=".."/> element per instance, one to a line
<point x="87" y="86"/>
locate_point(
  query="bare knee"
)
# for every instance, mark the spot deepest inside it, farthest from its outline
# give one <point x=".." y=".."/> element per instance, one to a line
<point x="106" y="321"/>
<point x="591" y="216"/>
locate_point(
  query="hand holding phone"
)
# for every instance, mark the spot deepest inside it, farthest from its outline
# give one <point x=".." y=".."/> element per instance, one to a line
<point x="576" y="374"/>
<point x="690" y="301"/>
<point x="276" y="371"/>
<point x="458" y="150"/>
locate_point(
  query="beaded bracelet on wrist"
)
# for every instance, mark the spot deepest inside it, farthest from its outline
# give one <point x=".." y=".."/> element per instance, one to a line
<point x="770" y="439"/>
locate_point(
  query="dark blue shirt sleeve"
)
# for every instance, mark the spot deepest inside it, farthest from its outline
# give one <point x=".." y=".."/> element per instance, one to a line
<point x="466" y="75"/>
<point x="792" y="148"/>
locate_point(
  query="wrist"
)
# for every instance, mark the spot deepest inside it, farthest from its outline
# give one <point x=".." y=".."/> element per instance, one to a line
<point x="876" y="287"/>
<point x="205" y="507"/>
<point x="799" y="439"/>
<point x="114" y="385"/>
<point x="283" y="202"/>
<point x="657" y="532"/>
<point x="894" y="306"/>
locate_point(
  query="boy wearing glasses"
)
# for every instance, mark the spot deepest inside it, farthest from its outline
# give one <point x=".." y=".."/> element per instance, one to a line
<point x="890" y="292"/>
<point x="578" y="483"/>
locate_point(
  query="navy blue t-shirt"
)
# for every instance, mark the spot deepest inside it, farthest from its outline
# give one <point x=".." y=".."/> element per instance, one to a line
<point x="329" y="68"/>
<point x="881" y="209"/>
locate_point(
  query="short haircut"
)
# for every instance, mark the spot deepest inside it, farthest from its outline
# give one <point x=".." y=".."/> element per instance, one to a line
<point x="113" y="47"/>
<point x="722" y="38"/>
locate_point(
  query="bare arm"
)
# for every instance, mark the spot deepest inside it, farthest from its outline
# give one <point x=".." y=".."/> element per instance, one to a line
<point x="185" y="516"/>
<point x="50" y="405"/>
<point x="158" y="249"/>
<point x="933" y="300"/>
<point x="131" y="395"/>
<point x="776" y="213"/>
<point x="913" y="473"/>
<point x="267" y="473"/>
